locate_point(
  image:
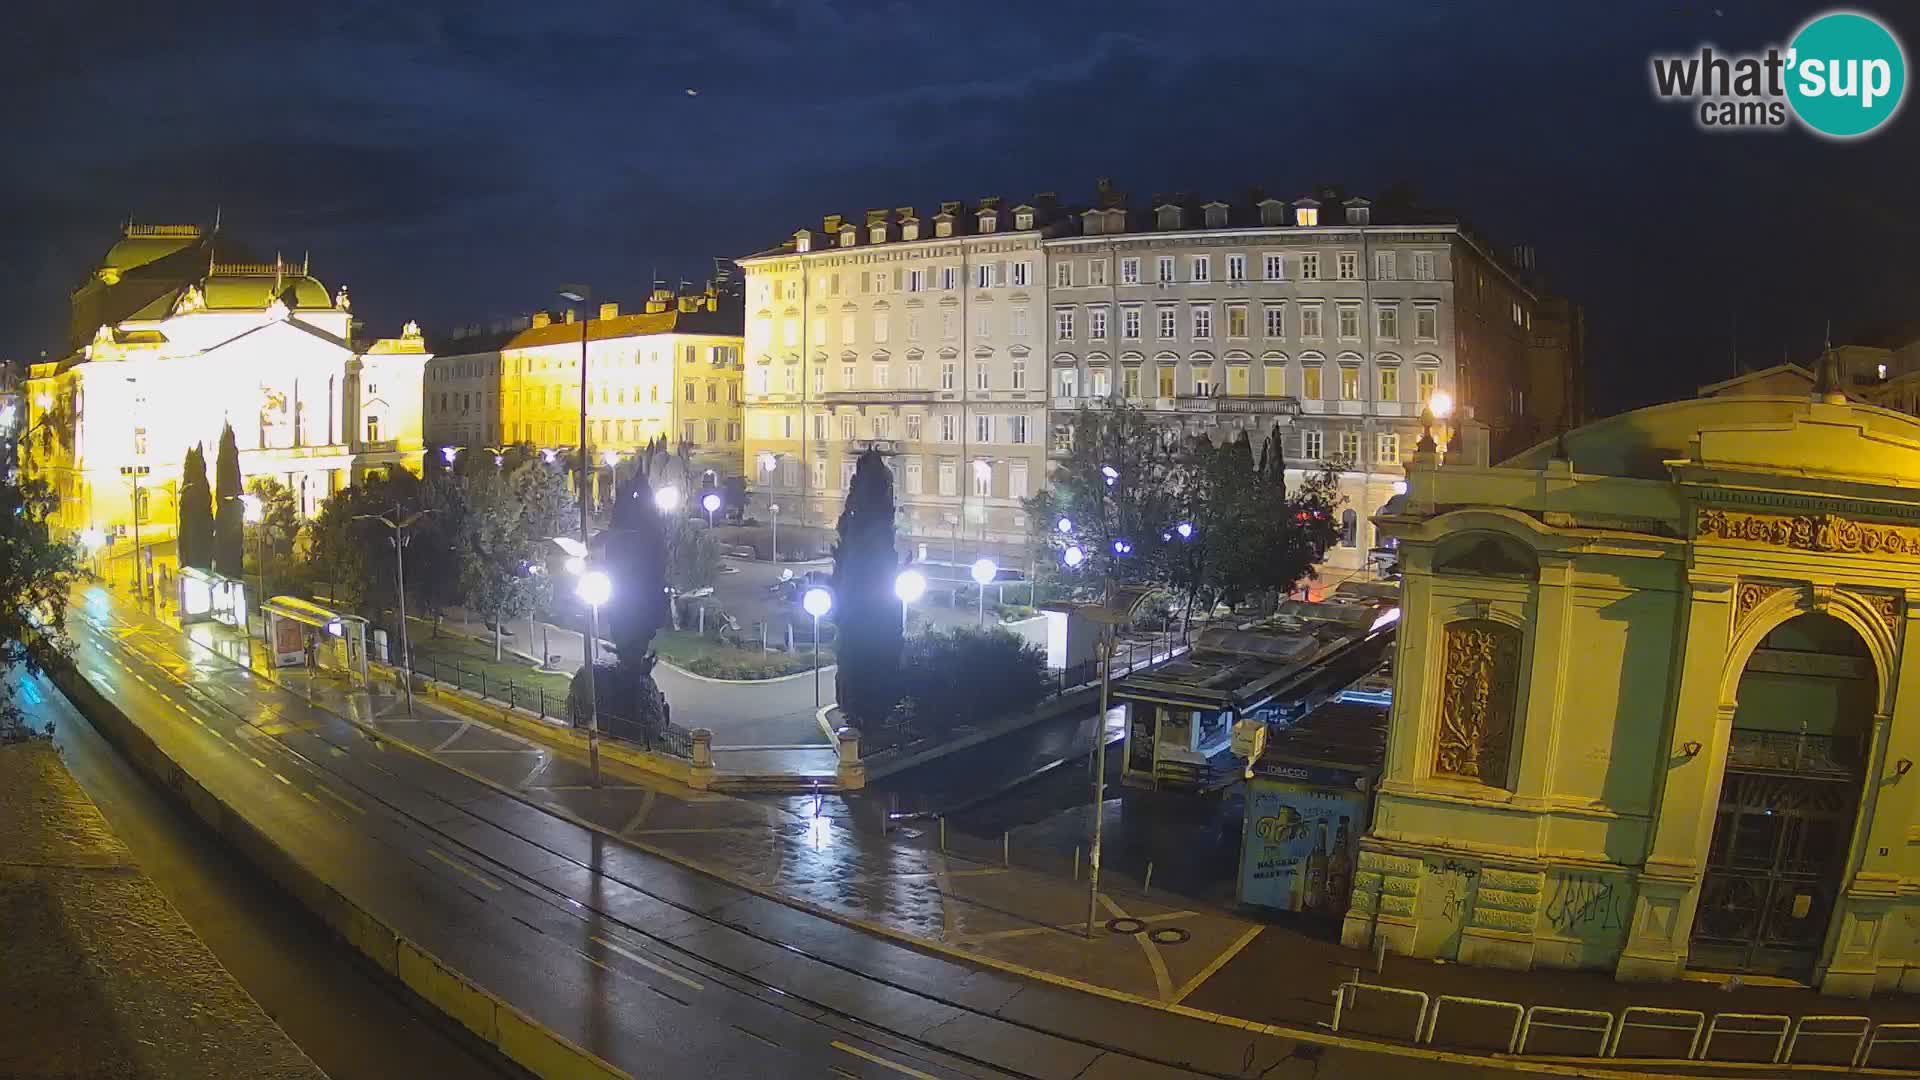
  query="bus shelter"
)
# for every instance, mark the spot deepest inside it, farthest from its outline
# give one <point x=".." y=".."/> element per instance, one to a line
<point x="302" y="632"/>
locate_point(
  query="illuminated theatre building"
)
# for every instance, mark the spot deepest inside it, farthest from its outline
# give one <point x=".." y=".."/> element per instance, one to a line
<point x="1655" y="707"/>
<point x="172" y="337"/>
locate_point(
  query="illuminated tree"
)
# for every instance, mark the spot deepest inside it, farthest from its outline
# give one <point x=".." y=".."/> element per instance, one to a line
<point x="229" y="515"/>
<point x="36" y="572"/>
<point x="193" y="544"/>
<point x="274" y="535"/>
<point x="865" y="610"/>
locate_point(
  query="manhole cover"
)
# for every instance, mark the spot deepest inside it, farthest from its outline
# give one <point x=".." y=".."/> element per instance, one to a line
<point x="1125" y="925"/>
<point x="1169" y="935"/>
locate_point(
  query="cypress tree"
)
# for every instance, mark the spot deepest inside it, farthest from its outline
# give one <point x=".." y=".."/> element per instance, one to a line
<point x="194" y="545"/>
<point x="864" y="607"/>
<point x="229" y="514"/>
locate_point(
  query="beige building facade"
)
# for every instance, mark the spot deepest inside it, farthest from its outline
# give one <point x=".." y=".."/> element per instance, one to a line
<point x="1655" y="706"/>
<point x="921" y="336"/>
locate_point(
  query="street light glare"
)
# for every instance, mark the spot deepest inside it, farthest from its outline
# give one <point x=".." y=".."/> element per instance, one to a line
<point x="575" y="564"/>
<point x="1441" y="403"/>
<point x="92" y="539"/>
<point x="667" y="499"/>
<point x="609" y="457"/>
<point x="253" y="511"/>
<point x="710" y="502"/>
<point x="1065" y="525"/>
<point x="448" y="453"/>
<point x="909" y="586"/>
<point x="984" y="570"/>
<point x="817" y="602"/>
<point x="1074" y="556"/>
<point x="1185" y="529"/>
<point x="595" y="588"/>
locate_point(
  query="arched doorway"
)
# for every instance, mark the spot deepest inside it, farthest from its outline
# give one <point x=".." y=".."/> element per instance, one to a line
<point x="1781" y="837"/>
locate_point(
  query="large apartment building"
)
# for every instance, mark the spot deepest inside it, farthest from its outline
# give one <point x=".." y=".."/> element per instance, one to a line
<point x="672" y="369"/>
<point x="922" y="336"/>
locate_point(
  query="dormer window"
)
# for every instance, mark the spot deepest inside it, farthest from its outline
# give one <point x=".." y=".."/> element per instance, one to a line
<point x="1216" y="215"/>
<point x="989" y="221"/>
<point x="943" y="225"/>
<point x="1273" y="212"/>
<point x="1306" y="215"/>
<point x="910" y="230"/>
<point x="1023" y="220"/>
<point x="849" y="236"/>
<point x="802" y="241"/>
<point x="1169" y="217"/>
<point x="1359" y="214"/>
<point x="877" y="234"/>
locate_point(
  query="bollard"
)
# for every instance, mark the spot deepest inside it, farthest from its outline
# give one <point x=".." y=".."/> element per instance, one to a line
<point x="1076" y="862"/>
<point x="1006" y="850"/>
<point x="943" y="835"/>
<point x="1379" y="953"/>
<point x="1146" y="886"/>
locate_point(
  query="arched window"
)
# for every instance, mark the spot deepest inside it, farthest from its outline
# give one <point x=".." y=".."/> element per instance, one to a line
<point x="1349" y="529"/>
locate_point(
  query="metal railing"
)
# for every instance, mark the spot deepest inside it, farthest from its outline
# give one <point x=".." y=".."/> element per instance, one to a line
<point x="1791" y="752"/>
<point x="546" y="705"/>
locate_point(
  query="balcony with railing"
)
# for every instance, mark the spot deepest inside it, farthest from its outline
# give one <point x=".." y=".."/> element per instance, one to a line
<point x="1238" y="404"/>
<point x="1829" y="756"/>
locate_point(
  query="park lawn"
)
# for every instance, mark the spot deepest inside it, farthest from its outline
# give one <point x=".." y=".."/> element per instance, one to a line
<point x="433" y="656"/>
<point x="705" y="656"/>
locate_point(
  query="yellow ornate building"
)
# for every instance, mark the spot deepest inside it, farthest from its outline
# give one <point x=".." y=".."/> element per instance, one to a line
<point x="672" y="369"/>
<point x="173" y="337"/>
<point x="1654" y="709"/>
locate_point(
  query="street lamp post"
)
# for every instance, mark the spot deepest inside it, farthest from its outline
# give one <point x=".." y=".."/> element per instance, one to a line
<point x="254" y="513"/>
<point x="908" y="585"/>
<point x="984" y="571"/>
<point x="775" y="511"/>
<point x="710" y="502"/>
<point x="579" y="294"/>
<point x="818" y="602"/>
<point x="399" y="541"/>
<point x="595" y="589"/>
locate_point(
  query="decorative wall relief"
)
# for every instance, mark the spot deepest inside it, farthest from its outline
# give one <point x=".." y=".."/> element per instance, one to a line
<point x="1750" y="596"/>
<point x="1480" y="682"/>
<point x="1809" y="532"/>
<point x="1889" y="606"/>
<point x="1507" y="900"/>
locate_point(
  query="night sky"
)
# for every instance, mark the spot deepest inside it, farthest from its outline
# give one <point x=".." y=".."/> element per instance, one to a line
<point x="454" y="161"/>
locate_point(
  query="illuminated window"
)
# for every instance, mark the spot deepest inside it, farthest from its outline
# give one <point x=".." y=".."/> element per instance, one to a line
<point x="1350" y="446"/>
<point x="1310" y="383"/>
<point x="1203" y="382"/>
<point x="1306" y="215"/>
<point x="1100" y="387"/>
<point x="1387" y="448"/>
<point x="373" y="428"/>
<point x="1426" y="381"/>
<point x="1066" y="383"/>
<point x="1236" y="320"/>
<point x="1130" y="382"/>
<point x="1349" y="383"/>
<point x="1389" y="384"/>
<point x="1165" y="380"/>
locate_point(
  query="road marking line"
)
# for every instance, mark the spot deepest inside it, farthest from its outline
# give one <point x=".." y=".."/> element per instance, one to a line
<point x="342" y="799"/>
<point x="283" y="779"/>
<point x="1161" y="980"/>
<point x="640" y="815"/>
<point x="1219" y="962"/>
<point x="670" y="997"/>
<point x="905" y="1070"/>
<point x="754" y="1035"/>
<point x="645" y="963"/>
<point x="258" y="762"/>
<point x="457" y="732"/>
<point x="467" y="870"/>
<point x="215" y="732"/>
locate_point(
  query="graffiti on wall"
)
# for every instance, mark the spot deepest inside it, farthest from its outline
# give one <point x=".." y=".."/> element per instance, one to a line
<point x="1587" y="905"/>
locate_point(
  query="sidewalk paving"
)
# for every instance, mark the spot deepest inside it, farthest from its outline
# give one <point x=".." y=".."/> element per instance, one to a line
<point x="99" y="975"/>
<point x="839" y="856"/>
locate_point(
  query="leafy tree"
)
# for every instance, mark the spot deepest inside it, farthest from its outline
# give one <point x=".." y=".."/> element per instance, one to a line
<point x="229" y="516"/>
<point x="193" y="545"/>
<point x="1135" y="504"/>
<point x="694" y="560"/>
<point x="36" y="572"/>
<point x="865" y="609"/>
<point x="496" y="561"/>
<point x="967" y="676"/>
<point x="633" y="553"/>
<point x="274" y="535"/>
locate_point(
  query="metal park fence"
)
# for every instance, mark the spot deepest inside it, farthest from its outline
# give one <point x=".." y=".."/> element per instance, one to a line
<point x="536" y="698"/>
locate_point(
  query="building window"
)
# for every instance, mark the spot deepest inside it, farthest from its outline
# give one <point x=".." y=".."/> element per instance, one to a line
<point x="1347" y="268"/>
<point x="1276" y="317"/>
<point x="1387" y="323"/>
<point x="1019" y="323"/>
<point x="1164" y="269"/>
<point x="983" y="276"/>
<point x="1019" y="374"/>
<point x="1020" y="272"/>
<point x="1163" y="378"/>
<point x="846" y="428"/>
<point x="373" y="433"/>
<point x="1426" y="323"/>
<point x="882" y="374"/>
<point x="982" y="375"/>
<point x="1236" y="268"/>
<point x="686" y="432"/>
<point x="1236" y="320"/>
<point x="1350" y="446"/>
<point x="1306" y="215"/>
<point x="1349" y="322"/>
<point x="1203" y="382"/>
<point x="947" y="377"/>
<point x="1383" y="265"/>
<point x="1349" y="529"/>
<point x="913" y="375"/>
<point x="949" y="427"/>
<point x="1389" y="384"/>
<point x="1130" y="382"/>
<point x="949" y="277"/>
<point x="1130" y="324"/>
<point x="1310" y="266"/>
<point x="1017" y="428"/>
<point x="949" y="479"/>
<point x="713" y="431"/>
<point x="1425" y="383"/>
<point x="1063" y="324"/>
<point x="1096" y="271"/>
<point x="949" y="325"/>
<point x="916" y="281"/>
<point x="1063" y="274"/>
<point x="1349" y="383"/>
<point x="1017" y="479"/>
<point x="913" y="326"/>
<point x="983" y="323"/>
<point x="733" y="431"/>
<point x="819" y="381"/>
<point x="1273" y="267"/>
<point x="1100" y="385"/>
<point x="1130" y="271"/>
<point x="1202" y="322"/>
<point x="913" y="431"/>
<point x="849" y="377"/>
<point x="819" y="476"/>
<point x="1097" y="324"/>
<point x="879" y="328"/>
<point x="1200" y="268"/>
<point x="913" y="477"/>
<point x="1169" y="323"/>
<point x="983" y="478"/>
<point x="1066" y="383"/>
<point x="1387" y="448"/>
<point x="1312" y="445"/>
<point x="882" y="426"/>
<point x="1310" y="383"/>
<point x="983" y="429"/>
<point x="1310" y="321"/>
<point x="1423" y="266"/>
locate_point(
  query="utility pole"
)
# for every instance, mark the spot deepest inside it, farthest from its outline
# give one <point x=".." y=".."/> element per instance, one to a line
<point x="580" y="294"/>
<point x="399" y="527"/>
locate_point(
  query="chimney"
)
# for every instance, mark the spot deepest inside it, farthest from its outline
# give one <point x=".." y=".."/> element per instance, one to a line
<point x="609" y="311"/>
<point x="876" y="217"/>
<point x="541" y="318"/>
<point x="830" y="223"/>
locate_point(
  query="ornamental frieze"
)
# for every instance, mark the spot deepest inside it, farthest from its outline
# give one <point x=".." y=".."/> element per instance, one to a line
<point x="1751" y="594"/>
<point x="1810" y="532"/>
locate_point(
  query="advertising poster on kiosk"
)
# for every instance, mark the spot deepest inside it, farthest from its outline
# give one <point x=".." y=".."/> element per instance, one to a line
<point x="1299" y="842"/>
<point x="289" y="642"/>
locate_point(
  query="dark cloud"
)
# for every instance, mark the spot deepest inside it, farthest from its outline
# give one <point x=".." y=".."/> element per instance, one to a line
<point x="452" y="161"/>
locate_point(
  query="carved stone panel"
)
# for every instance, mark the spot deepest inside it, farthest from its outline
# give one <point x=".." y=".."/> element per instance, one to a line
<point x="1481" y="676"/>
<point x="1809" y="532"/>
<point x="1751" y="594"/>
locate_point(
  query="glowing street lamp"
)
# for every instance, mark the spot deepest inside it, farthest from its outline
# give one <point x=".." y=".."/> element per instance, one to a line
<point x="1073" y="557"/>
<point x="595" y="588"/>
<point x="983" y="571"/>
<point x="1065" y="526"/>
<point x="1441" y="403"/>
<point x="1185" y="529"/>
<point x="818" y="602"/>
<point x="908" y="585"/>
<point x="710" y="502"/>
<point x="448" y="453"/>
<point x="93" y="539"/>
<point x="1111" y="474"/>
<point x="667" y="499"/>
